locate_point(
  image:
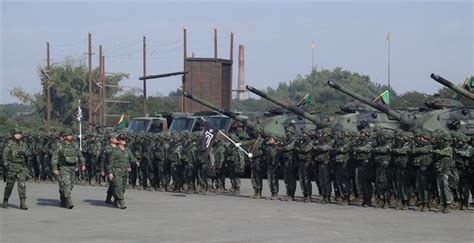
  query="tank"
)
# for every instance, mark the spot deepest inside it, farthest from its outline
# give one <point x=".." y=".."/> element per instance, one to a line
<point x="271" y="123"/>
<point x="452" y="86"/>
<point x="353" y="120"/>
<point x="452" y="118"/>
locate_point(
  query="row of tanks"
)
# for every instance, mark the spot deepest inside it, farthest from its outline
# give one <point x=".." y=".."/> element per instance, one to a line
<point x="439" y="114"/>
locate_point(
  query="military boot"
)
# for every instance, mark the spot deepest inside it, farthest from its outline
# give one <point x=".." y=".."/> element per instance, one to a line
<point x="447" y="208"/>
<point x="404" y="205"/>
<point x="5" y="203"/>
<point x="307" y="199"/>
<point x="121" y="204"/>
<point x="63" y="201"/>
<point x="23" y="204"/>
<point x="237" y="190"/>
<point x="385" y="204"/>
<point x="69" y="204"/>
<point x="274" y="196"/>
<point x="257" y="194"/>
<point x="108" y="200"/>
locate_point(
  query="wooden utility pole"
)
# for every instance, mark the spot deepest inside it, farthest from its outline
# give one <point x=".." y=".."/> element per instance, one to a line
<point x="104" y="118"/>
<point x="48" y="88"/>
<point x="185" y="55"/>
<point x="101" y="90"/>
<point x="145" y="107"/>
<point x="89" y="99"/>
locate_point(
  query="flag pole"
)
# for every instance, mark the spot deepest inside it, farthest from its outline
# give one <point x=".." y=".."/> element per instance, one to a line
<point x="236" y="144"/>
<point x="79" y="118"/>
<point x="388" y="68"/>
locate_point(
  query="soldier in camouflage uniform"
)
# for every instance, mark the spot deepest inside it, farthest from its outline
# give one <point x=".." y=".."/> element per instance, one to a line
<point x="234" y="164"/>
<point x="156" y="162"/>
<point x="15" y="160"/>
<point x="257" y="164"/>
<point x="105" y="160"/>
<point x="3" y="170"/>
<point x="322" y="158"/>
<point x="65" y="161"/>
<point x="205" y="169"/>
<point x="383" y="178"/>
<point x="187" y="161"/>
<point x="444" y="166"/>
<point x="91" y="150"/>
<point x="136" y="148"/>
<point x="177" y="157"/>
<point x="362" y="151"/>
<point x="120" y="159"/>
<point x="401" y="159"/>
<point x="270" y="155"/>
<point x="219" y="161"/>
<point x="304" y="153"/>
<point x="463" y="154"/>
<point x="423" y="162"/>
<point x="289" y="163"/>
<point x="341" y="153"/>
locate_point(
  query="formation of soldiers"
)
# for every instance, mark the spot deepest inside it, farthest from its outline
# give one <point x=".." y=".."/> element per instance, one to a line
<point x="381" y="168"/>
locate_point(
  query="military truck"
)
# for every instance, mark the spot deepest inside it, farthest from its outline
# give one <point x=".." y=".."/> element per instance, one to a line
<point x="155" y="124"/>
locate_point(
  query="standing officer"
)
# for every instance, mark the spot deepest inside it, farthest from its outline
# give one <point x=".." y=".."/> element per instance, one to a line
<point x="119" y="165"/>
<point x="65" y="161"/>
<point x="15" y="160"/>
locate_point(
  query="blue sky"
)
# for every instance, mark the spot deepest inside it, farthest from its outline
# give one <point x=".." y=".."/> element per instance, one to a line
<point x="426" y="38"/>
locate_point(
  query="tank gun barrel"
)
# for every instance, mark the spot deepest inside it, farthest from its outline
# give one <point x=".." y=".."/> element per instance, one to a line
<point x="452" y="86"/>
<point x="375" y="105"/>
<point x="230" y="114"/>
<point x="292" y="108"/>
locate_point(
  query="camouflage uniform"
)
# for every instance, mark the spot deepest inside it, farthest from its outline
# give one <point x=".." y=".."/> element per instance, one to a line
<point x="119" y="163"/>
<point x="271" y="158"/>
<point x="15" y="156"/>
<point x="104" y="161"/>
<point x="463" y="154"/>
<point x="219" y="160"/>
<point x="91" y="150"/>
<point x="322" y="158"/>
<point x="289" y="163"/>
<point x="341" y="154"/>
<point x="383" y="178"/>
<point x="364" y="166"/>
<point x="234" y="164"/>
<point x="304" y="153"/>
<point x="423" y="162"/>
<point x="177" y="158"/>
<point x="257" y="164"/>
<point x="404" y="176"/>
<point x="187" y="160"/>
<point x="66" y="158"/>
<point x="444" y="166"/>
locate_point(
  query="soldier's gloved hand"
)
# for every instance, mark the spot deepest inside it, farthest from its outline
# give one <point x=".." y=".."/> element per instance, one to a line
<point x="129" y="169"/>
<point x="83" y="168"/>
<point x="56" y="172"/>
<point x="103" y="173"/>
<point x="111" y="177"/>
<point x="137" y="163"/>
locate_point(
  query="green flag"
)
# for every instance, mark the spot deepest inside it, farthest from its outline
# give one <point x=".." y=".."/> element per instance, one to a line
<point x="121" y="123"/>
<point x="384" y="97"/>
<point x="307" y="99"/>
<point x="468" y="83"/>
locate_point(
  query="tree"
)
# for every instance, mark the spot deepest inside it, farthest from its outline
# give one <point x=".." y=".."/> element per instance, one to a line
<point x="69" y="84"/>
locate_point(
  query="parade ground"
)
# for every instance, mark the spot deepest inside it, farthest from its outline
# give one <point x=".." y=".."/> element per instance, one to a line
<point x="172" y="217"/>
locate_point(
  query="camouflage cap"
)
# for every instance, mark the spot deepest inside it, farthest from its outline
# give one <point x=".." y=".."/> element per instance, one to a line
<point x="67" y="131"/>
<point x="16" y="130"/>
<point x="461" y="137"/>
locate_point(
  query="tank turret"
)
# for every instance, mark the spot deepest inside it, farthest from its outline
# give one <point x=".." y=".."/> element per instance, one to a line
<point x="316" y="120"/>
<point x="402" y="118"/>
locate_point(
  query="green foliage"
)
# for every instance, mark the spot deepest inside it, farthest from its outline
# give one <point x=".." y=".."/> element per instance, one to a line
<point x="69" y="84"/>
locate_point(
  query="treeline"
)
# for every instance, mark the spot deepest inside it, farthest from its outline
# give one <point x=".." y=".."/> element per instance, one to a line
<point x="69" y="84"/>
